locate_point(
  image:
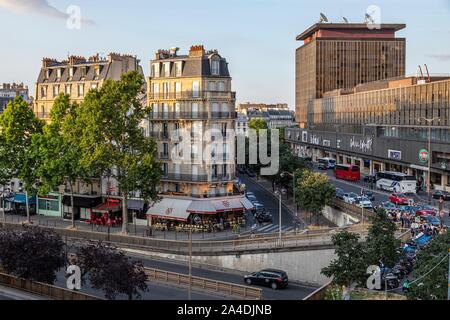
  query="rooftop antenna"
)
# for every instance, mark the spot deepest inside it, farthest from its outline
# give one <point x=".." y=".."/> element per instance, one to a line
<point x="369" y="19"/>
<point x="345" y="19"/>
<point x="323" y="18"/>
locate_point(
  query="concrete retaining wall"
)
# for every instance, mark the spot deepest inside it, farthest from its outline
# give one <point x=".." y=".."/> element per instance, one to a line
<point x="339" y="218"/>
<point x="301" y="266"/>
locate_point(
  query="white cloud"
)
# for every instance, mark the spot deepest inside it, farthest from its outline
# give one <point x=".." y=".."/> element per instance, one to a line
<point x="440" y="57"/>
<point x="41" y="7"/>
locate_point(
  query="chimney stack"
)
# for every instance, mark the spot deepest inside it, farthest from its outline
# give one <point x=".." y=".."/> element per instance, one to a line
<point x="197" y="51"/>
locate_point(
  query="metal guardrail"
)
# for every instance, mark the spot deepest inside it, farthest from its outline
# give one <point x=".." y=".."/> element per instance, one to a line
<point x="226" y="288"/>
<point x="43" y="289"/>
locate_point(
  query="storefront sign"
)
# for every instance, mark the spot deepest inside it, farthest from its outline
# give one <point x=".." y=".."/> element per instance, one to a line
<point x="315" y="139"/>
<point x="326" y="143"/>
<point x="424" y="155"/>
<point x="305" y="136"/>
<point x="395" y="154"/>
<point x="169" y="211"/>
<point x="361" y="144"/>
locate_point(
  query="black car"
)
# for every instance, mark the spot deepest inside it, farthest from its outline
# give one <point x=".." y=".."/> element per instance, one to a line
<point x="242" y="170"/>
<point x="442" y="194"/>
<point x="369" y="194"/>
<point x="263" y="216"/>
<point x="275" y="279"/>
<point x="250" y="173"/>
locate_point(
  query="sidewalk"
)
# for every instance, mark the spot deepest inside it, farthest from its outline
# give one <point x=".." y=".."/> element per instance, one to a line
<point x="134" y="230"/>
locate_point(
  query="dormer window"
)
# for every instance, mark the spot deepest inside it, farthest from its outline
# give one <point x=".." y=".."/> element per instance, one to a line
<point x="83" y="72"/>
<point x="97" y="71"/>
<point x="167" y="69"/>
<point x="58" y="73"/>
<point x="178" y="68"/>
<point x="155" y="70"/>
<point x="47" y="74"/>
<point x="215" y="67"/>
<point x="71" y="72"/>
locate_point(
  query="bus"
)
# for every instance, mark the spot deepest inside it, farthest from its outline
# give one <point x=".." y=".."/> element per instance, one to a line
<point x="327" y="163"/>
<point x="347" y="172"/>
<point x="396" y="182"/>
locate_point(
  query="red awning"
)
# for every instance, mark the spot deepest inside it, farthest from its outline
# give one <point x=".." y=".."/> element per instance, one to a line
<point x="111" y="205"/>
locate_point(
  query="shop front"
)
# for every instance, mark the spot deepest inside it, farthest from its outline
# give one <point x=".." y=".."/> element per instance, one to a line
<point x="203" y="215"/>
<point x="137" y="211"/>
<point x="108" y="213"/>
<point x="50" y="205"/>
<point x="82" y="207"/>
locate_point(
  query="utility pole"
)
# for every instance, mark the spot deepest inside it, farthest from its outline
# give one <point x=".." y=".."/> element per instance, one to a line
<point x="429" y="122"/>
<point x="190" y="264"/>
<point x="448" y="292"/>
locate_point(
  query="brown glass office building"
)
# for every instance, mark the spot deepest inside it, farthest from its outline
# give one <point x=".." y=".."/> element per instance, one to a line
<point x="375" y="124"/>
<point x="341" y="56"/>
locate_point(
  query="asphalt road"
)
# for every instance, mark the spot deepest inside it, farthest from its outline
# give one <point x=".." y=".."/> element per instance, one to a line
<point x="271" y="203"/>
<point x="10" y="294"/>
<point x="292" y="292"/>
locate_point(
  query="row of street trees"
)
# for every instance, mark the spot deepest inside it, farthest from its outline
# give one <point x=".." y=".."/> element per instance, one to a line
<point x="101" y="137"/>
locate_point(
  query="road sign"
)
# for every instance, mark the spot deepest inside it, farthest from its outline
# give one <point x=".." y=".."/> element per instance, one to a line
<point x="424" y="155"/>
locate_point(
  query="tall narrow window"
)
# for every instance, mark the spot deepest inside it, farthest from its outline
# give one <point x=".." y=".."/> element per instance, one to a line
<point x="179" y="68"/>
<point x="80" y="90"/>
<point x="215" y="67"/>
<point x="195" y="89"/>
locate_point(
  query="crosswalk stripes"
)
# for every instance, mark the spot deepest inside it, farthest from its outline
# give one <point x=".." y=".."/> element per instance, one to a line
<point x="273" y="228"/>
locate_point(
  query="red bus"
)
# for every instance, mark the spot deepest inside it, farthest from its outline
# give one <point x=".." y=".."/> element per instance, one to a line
<point x="347" y="172"/>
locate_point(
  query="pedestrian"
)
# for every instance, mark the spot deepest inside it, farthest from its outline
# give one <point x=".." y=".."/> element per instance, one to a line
<point x="406" y="286"/>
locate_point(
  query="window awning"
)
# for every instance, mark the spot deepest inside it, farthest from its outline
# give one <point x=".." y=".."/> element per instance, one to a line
<point x="109" y="206"/>
<point x="83" y="202"/>
<point x="215" y="206"/>
<point x="224" y="205"/>
<point x="21" y="199"/>
<point x="135" y="204"/>
<point x="202" y="207"/>
<point x="248" y="205"/>
<point x="170" y="209"/>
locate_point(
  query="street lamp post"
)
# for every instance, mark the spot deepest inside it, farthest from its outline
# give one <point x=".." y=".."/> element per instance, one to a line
<point x="280" y="233"/>
<point x="429" y="122"/>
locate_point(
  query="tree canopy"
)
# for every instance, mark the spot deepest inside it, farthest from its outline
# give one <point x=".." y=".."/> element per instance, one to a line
<point x="33" y="253"/>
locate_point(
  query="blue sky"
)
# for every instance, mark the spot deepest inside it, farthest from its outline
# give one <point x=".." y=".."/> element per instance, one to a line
<point x="256" y="36"/>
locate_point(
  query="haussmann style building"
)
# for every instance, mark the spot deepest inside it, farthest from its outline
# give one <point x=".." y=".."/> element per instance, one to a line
<point x="193" y="120"/>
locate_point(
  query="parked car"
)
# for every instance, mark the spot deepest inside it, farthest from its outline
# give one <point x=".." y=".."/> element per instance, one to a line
<point x="259" y="208"/>
<point x="399" y="198"/>
<point x="369" y="194"/>
<point x="252" y="198"/>
<point x="241" y="170"/>
<point x="250" y="173"/>
<point x="340" y="193"/>
<point x="264" y="216"/>
<point x="275" y="279"/>
<point x="426" y="210"/>
<point x="350" y="198"/>
<point x="364" y="202"/>
<point x="442" y="194"/>
<point x="434" y="221"/>
<point x="388" y="206"/>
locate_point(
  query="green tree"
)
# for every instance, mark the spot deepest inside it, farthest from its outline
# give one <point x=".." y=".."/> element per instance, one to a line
<point x="60" y="155"/>
<point x="349" y="267"/>
<point x="257" y="124"/>
<point x="18" y="125"/>
<point x="314" y="192"/>
<point x="112" y="141"/>
<point x="381" y="244"/>
<point x="431" y="270"/>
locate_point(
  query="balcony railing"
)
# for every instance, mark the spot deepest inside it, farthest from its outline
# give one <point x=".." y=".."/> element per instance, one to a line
<point x="185" y="177"/>
<point x="192" y="95"/>
<point x="42" y="115"/>
<point x="191" y="115"/>
<point x="164" y="156"/>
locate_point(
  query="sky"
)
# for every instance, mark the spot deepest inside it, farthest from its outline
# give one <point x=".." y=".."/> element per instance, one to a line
<point x="257" y="37"/>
